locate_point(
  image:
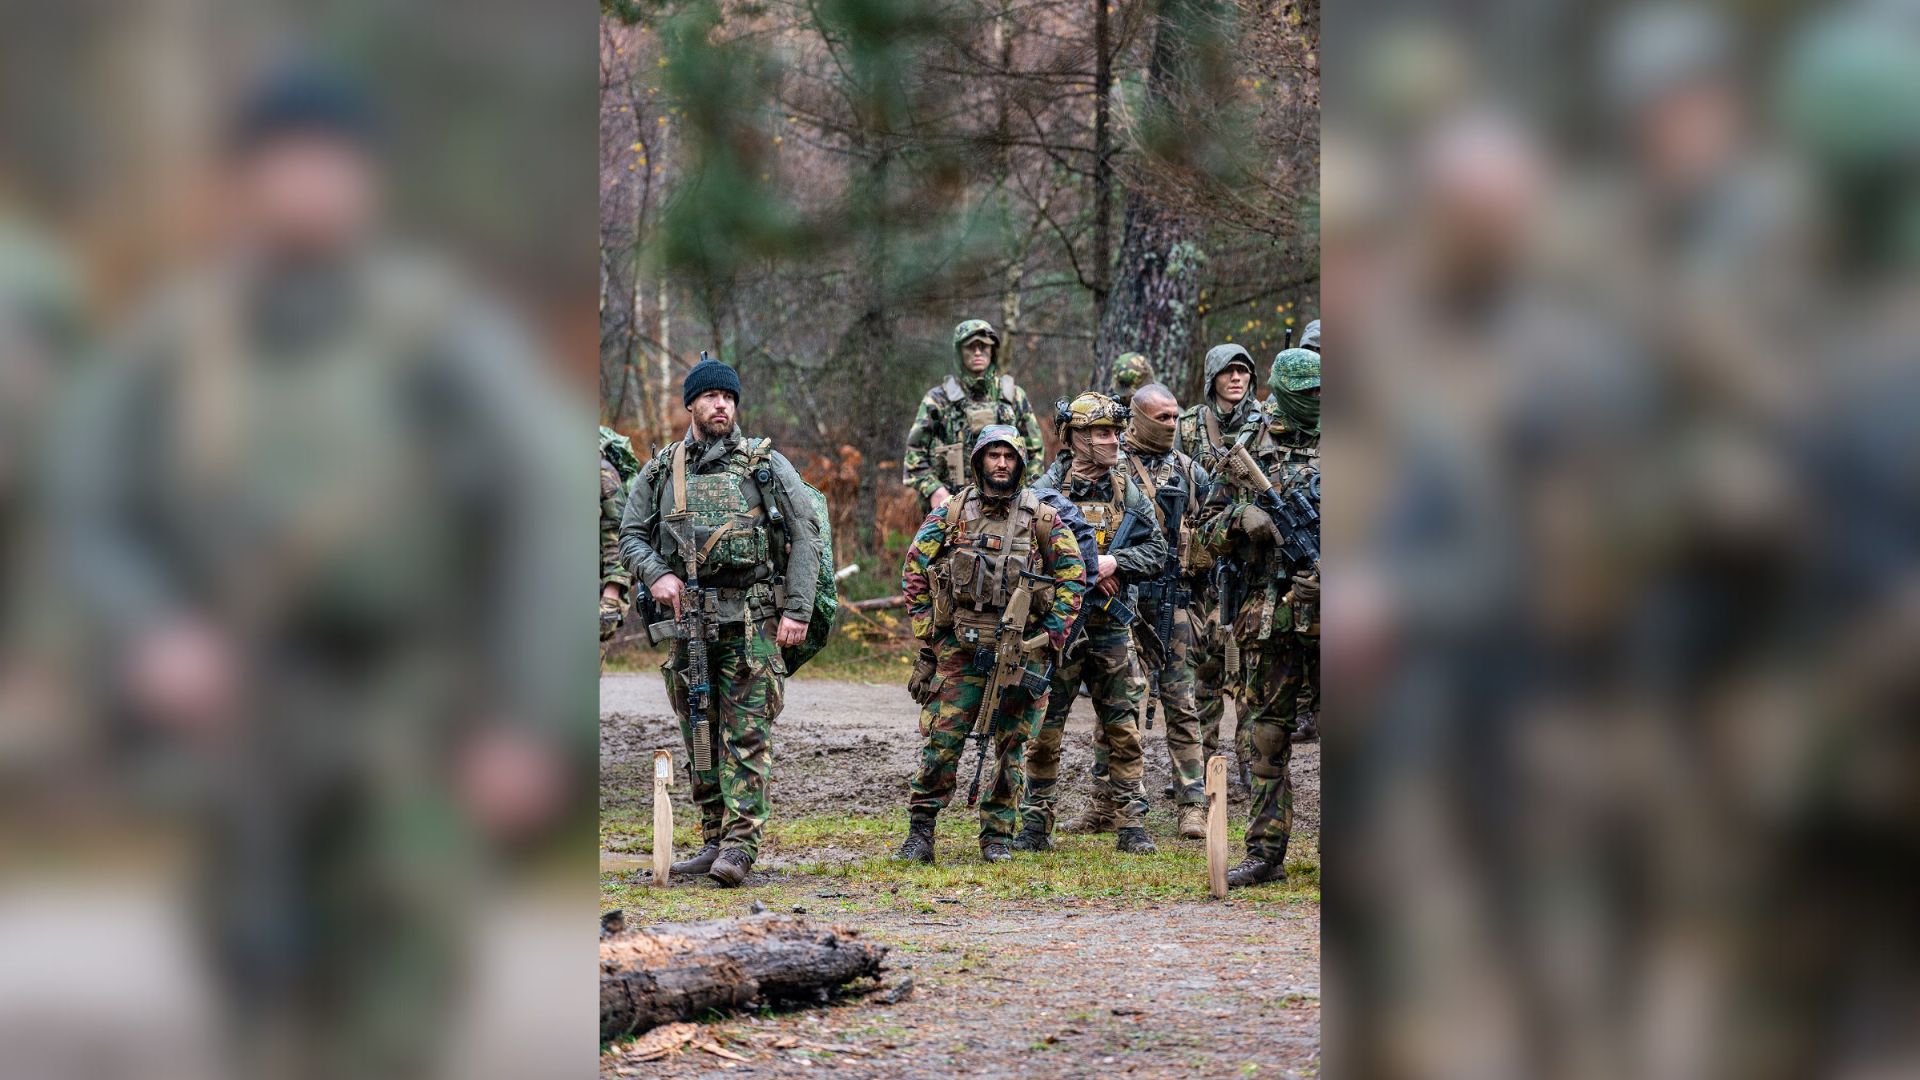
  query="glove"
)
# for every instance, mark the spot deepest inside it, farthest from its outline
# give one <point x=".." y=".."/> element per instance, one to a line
<point x="1306" y="588"/>
<point x="919" y="685"/>
<point x="609" y="617"/>
<point x="1255" y="523"/>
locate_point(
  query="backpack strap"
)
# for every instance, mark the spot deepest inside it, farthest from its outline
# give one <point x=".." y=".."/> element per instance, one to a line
<point x="1151" y="489"/>
<point x="950" y="388"/>
<point x="1212" y="422"/>
<point x="1007" y="389"/>
<point x="677" y="476"/>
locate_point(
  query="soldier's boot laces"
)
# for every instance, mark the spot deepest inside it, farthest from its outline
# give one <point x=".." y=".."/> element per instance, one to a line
<point x="919" y="844"/>
<point x="730" y="868"/>
<point x="1033" y="837"/>
<point x="699" y="862"/>
<point x="1134" y="841"/>
<point x="1254" y="870"/>
<point x="995" y="852"/>
<point x="1099" y="817"/>
<point x="1193" y="823"/>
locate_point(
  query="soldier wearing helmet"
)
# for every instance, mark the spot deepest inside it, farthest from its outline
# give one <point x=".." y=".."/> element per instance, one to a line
<point x="1132" y="550"/>
<point x="1131" y="371"/>
<point x="952" y="415"/>
<point x="962" y="572"/>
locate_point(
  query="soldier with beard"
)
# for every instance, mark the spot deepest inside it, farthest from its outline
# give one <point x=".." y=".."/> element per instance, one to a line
<point x="1174" y="484"/>
<point x="992" y="531"/>
<point x="954" y="413"/>
<point x="707" y="506"/>
<point x="1088" y="472"/>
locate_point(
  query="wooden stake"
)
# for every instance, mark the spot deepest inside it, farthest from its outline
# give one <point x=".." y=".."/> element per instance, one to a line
<point x="662" y="816"/>
<point x="1216" y="790"/>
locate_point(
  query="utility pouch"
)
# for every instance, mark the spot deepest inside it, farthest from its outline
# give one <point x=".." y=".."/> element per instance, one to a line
<point x="942" y="598"/>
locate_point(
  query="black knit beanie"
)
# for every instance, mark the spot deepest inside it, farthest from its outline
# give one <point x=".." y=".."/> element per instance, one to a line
<point x="709" y="375"/>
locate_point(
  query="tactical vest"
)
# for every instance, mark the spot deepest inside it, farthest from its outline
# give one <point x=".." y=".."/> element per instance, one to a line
<point x="951" y="461"/>
<point x="1105" y="514"/>
<point x="979" y="566"/>
<point x="725" y="511"/>
<point x="1182" y="538"/>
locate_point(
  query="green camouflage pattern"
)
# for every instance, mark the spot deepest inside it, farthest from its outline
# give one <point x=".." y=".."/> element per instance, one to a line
<point x="973" y="328"/>
<point x="748" y="684"/>
<point x="1269" y="688"/>
<point x="1060" y="555"/>
<point x="1294" y="369"/>
<point x="942" y="421"/>
<point x="1187" y="745"/>
<point x="946" y="721"/>
<point x="1105" y="663"/>
<point x="1131" y="371"/>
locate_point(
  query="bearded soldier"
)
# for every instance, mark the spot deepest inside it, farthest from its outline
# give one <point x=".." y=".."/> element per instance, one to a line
<point x="1174" y="484"/>
<point x="1132" y="550"/>
<point x="1207" y="429"/>
<point x="1275" y="623"/>
<point x="1295" y="382"/>
<point x="617" y="469"/>
<point x="952" y="415"/>
<point x="962" y="572"/>
<point x="1130" y="372"/>
<point x="731" y="512"/>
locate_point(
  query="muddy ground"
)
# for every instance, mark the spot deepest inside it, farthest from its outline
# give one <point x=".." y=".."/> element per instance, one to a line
<point x="1068" y="987"/>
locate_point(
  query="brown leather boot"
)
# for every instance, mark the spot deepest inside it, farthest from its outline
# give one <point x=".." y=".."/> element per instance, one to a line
<point x="1100" y="817"/>
<point x="730" y="867"/>
<point x="1193" y="823"/>
<point x="1254" y="870"/>
<point x="699" y="862"/>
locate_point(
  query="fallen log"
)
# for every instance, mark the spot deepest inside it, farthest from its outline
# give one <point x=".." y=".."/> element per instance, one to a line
<point x="673" y="972"/>
<point x="878" y="602"/>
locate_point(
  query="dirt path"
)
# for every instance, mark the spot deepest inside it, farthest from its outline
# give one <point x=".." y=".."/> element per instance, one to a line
<point x="1067" y="987"/>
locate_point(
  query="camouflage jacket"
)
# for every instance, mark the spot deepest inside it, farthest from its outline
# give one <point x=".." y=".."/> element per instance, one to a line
<point x="1195" y="435"/>
<point x="938" y="449"/>
<point x="1059" y="558"/>
<point x="1176" y="485"/>
<point x="1265" y="609"/>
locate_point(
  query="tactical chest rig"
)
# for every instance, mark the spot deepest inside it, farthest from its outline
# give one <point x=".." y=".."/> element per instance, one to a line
<point x="979" y="570"/>
<point x="950" y="459"/>
<point x="723" y="539"/>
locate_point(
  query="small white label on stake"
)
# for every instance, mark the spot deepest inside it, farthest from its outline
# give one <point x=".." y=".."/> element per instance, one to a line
<point x="663" y="767"/>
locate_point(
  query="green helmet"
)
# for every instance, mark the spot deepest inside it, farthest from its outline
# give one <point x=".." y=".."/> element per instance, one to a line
<point x="1296" y="370"/>
<point x="974" y="328"/>
<point x="1130" y="372"/>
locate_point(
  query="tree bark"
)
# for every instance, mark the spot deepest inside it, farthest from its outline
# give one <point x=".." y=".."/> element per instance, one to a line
<point x="677" y="971"/>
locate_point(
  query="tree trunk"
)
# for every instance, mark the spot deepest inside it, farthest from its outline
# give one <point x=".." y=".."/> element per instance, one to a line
<point x="1102" y="171"/>
<point x="677" y="971"/>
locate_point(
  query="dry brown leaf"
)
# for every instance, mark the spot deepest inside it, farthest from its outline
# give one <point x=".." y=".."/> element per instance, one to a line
<point x="661" y="1041"/>
<point x="717" y="1050"/>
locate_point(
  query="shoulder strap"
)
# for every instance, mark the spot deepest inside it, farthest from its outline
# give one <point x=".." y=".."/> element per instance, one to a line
<point x="1214" y="441"/>
<point x="678" y="464"/>
<point x="1147" y="486"/>
<point x="1007" y="388"/>
<point x="951" y="388"/>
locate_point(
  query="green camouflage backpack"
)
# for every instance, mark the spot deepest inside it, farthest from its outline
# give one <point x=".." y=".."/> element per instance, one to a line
<point x="826" y="596"/>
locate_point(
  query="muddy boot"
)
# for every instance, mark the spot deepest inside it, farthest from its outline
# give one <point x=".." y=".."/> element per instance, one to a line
<point x="1193" y="823"/>
<point x="919" y="843"/>
<point x="1307" y="730"/>
<point x="730" y="868"/>
<point x="1254" y="870"/>
<point x="1134" y="840"/>
<point x="1169" y="791"/>
<point x="699" y="862"/>
<point x="1033" y="837"/>
<point x="995" y="851"/>
<point x="1100" y="817"/>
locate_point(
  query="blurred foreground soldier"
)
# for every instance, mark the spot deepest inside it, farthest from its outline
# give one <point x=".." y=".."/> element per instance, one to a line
<point x="1130" y="372"/>
<point x="315" y="507"/>
<point x="965" y="573"/>
<point x="953" y="414"/>
<point x="1269" y="605"/>
<point x="1173" y="484"/>
<point x="618" y="467"/>
<point x="726" y="537"/>
<point x="1100" y="651"/>
<point x="1207" y="428"/>
<point x="1295" y="385"/>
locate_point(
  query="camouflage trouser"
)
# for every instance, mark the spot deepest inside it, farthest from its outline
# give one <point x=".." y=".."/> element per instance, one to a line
<point x="747" y="681"/>
<point x="1107" y="664"/>
<point x="947" y="720"/>
<point x="1209" y="674"/>
<point x="1187" y="745"/>
<point x="1309" y="652"/>
<point x="1269" y="690"/>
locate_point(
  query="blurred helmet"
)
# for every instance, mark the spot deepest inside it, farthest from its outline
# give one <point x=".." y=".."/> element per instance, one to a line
<point x="1090" y="410"/>
<point x="1655" y="51"/>
<point x="1851" y="92"/>
<point x="1295" y="370"/>
<point x="1310" y="339"/>
<point x="1131" y="371"/>
<point x="1005" y="434"/>
<point x="975" y="328"/>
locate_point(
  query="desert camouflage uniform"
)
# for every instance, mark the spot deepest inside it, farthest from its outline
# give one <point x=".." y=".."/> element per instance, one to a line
<point x="745" y="669"/>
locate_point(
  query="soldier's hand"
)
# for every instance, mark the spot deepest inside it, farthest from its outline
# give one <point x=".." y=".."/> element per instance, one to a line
<point x="940" y="497"/>
<point x="922" y="676"/>
<point x="1108" y="564"/>
<point x="1306" y="587"/>
<point x="1255" y="523"/>
<point x="792" y="632"/>
<point x="609" y="617"/>
<point x="666" y="592"/>
<point x="1109" y="585"/>
<point x="186" y="677"/>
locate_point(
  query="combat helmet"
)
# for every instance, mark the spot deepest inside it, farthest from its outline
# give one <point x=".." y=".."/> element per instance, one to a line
<point x="1130" y="372"/>
<point x="1090" y="410"/>
<point x="1296" y="370"/>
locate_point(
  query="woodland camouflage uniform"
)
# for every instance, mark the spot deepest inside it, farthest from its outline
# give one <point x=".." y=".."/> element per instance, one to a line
<point x="966" y="526"/>
<point x="1104" y="659"/>
<point x="953" y="413"/>
<point x="1296" y="437"/>
<point x="1206" y="429"/>
<point x="618" y="467"/>
<point x="1131" y="371"/>
<point x="760" y="572"/>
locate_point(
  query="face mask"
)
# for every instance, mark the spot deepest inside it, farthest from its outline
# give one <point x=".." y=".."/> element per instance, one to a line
<point x="1301" y="409"/>
<point x="1150" y="435"/>
<point x="1089" y="460"/>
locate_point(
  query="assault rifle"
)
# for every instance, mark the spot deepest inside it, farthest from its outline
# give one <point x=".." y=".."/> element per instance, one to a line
<point x="697" y="626"/>
<point x="1167" y="595"/>
<point x="1008" y="664"/>
<point x="1120" y="612"/>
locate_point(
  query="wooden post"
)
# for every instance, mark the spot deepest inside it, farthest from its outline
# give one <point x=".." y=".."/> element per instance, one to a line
<point x="1216" y="790"/>
<point x="662" y="816"/>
